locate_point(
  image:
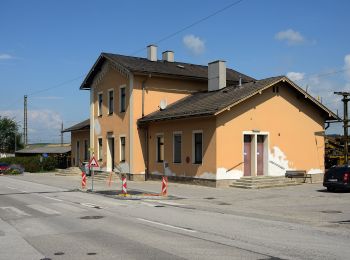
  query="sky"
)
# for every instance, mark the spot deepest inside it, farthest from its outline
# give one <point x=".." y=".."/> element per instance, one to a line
<point x="48" y="47"/>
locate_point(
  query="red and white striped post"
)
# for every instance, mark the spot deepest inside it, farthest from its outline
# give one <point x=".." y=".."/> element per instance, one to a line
<point x="124" y="186"/>
<point x="83" y="179"/>
<point x="165" y="186"/>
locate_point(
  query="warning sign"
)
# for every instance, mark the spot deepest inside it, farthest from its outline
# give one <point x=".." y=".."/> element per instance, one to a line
<point x="93" y="163"/>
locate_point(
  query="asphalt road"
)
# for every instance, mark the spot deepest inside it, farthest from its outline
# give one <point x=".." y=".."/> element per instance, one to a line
<point x="39" y="221"/>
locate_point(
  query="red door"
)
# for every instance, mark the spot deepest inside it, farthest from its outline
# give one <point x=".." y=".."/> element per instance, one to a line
<point x="247" y="155"/>
<point x="260" y="155"/>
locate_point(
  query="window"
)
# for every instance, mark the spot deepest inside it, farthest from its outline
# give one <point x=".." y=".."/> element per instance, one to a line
<point x="110" y="102"/>
<point x="86" y="150"/>
<point x="78" y="153"/>
<point x="122" y="99"/>
<point x="160" y="148"/>
<point x="177" y="148"/>
<point x="99" y="112"/>
<point x="122" y="148"/>
<point x="99" y="155"/>
<point x="198" y="147"/>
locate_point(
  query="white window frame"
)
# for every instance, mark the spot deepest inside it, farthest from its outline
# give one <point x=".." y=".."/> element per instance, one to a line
<point x="120" y="98"/>
<point x="99" y="109"/>
<point x="177" y="133"/>
<point x="99" y="155"/>
<point x="157" y="152"/>
<point x="109" y="96"/>
<point x="194" y="146"/>
<point x="120" y="149"/>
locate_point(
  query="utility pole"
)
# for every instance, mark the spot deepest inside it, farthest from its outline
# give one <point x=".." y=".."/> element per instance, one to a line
<point x="62" y="133"/>
<point x="346" y="99"/>
<point x="25" y="122"/>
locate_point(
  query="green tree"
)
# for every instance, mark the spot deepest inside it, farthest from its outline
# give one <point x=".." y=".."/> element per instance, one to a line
<point x="9" y="135"/>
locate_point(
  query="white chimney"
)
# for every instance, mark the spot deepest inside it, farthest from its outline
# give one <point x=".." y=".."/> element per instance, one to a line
<point x="152" y="52"/>
<point x="168" y="56"/>
<point x="216" y="75"/>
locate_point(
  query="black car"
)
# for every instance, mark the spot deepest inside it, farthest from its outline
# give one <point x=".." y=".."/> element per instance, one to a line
<point x="337" y="177"/>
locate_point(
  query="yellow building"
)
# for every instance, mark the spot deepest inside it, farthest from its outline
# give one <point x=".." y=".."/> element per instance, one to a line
<point x="209" y="123"/>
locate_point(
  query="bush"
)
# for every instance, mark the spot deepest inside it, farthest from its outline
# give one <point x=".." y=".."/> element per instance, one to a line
<point x="32" y="163"/>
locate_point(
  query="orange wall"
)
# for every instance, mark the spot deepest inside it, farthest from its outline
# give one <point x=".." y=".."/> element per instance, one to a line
<point x="80" y="136"/>
<point x="208" y="166"/>
<point x="116" y="123"/>
<point x="290" y="122"/>
<point x="156" y="89"/>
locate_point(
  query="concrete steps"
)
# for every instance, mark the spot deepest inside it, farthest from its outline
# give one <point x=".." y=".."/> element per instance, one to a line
<point x="101" y="176"/>
<point x="261" y="182"/>
<point x="71" y="171"/>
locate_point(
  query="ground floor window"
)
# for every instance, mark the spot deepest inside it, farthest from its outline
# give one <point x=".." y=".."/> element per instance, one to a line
<point x="197" y="147"/>
<point x="86" y="150"/>
<point x="122" y="149"/>
<point x="177" y="147"/>
<point x="160" y="148"/>
<point x="99" y="154"/>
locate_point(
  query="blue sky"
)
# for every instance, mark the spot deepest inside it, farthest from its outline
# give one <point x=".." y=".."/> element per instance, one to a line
<point x="53" y="44"/>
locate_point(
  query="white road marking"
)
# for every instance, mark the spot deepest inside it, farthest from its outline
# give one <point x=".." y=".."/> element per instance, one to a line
<point x="90" y="205"/>
<point x="148" y="204"/>
<point x="47" y="197"/>
<point x="43" y="209"/>
<point x="170" y="203"/>
<point x="166" y="225"/>
<point x="17" y="211"/>
<point x="11" y="188"/>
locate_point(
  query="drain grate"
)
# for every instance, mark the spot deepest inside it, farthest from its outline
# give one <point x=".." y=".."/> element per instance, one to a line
<point x="59" y="253"/>
<point x="210" y="198"/>
<point x="159" y="206"/>
<point x="45" y="258"/>
<point x="91" y="253"/>
<point x="331" y="211"/>
<point x="92" y="217"/>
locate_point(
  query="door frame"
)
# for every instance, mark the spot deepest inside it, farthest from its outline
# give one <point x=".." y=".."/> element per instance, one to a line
<point x="254" y="166"/>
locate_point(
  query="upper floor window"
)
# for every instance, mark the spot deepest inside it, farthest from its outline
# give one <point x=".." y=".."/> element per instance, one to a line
<point x="122" y="99"/>
<point x="197" y="147"/>
<point x="160" y="148"/>
<point x="110" y="102"/>
<point x="99" y="112"/>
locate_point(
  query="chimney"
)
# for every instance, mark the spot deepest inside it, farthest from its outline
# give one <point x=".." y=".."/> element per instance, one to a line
<point x="168" y="56"/>
<point x="216" y="75"/>
<point x="152" y="52"/>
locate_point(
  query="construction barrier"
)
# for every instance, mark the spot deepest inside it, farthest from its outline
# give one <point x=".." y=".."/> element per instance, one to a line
<point x="164" y="186"/>
<point x="83" y="180"/>
<point x="124" y="186"/>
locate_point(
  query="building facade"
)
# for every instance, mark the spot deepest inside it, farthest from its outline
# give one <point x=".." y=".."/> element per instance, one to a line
<point x="153" y="117"/>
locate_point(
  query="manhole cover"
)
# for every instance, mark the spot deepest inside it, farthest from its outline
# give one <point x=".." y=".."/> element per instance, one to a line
<point x="331" y="211"/>
<point x="91" y="217"/>
<point x="209" y="198"/>
<point x="91" y="253"/>
<point x="59" y="253"/>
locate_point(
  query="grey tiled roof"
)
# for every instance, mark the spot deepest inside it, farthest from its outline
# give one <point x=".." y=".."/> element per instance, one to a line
<point x="209" y="103"/>
<point x="80" y="126"/>
<point x="145" y="66"/>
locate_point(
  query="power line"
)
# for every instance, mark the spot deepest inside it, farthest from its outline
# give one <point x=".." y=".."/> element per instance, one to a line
<point x="192" y="24"/>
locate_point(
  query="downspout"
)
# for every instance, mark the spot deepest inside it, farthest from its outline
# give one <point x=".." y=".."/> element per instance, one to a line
<point x="143" y="97"/>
